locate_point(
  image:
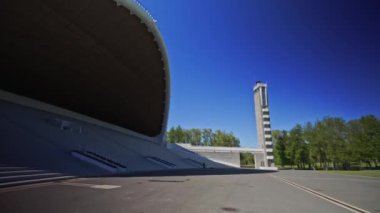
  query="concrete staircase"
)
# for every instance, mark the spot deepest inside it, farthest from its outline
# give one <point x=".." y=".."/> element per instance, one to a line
<point x="15" y="176"/>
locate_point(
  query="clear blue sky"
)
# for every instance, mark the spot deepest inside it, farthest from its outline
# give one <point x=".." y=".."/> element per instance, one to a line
<point x="319" y="58"/>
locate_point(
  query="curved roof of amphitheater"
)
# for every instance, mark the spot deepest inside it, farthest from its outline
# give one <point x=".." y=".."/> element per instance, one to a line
<point x="104" y="59"/>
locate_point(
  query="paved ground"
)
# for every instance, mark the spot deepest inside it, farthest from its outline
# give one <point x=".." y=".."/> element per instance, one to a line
<point x="225" y="190"/>
<point x="360" y="191"/>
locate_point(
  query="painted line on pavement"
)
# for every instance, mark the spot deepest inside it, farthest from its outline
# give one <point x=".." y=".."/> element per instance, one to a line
<point x="104" y="186"/>
<point x="88" y="185"/>
<point x="332" y="200"/>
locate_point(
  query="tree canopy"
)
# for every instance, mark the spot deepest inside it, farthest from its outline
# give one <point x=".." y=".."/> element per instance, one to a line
<point x="330" y="142"/>
<point x="202" y="137"/>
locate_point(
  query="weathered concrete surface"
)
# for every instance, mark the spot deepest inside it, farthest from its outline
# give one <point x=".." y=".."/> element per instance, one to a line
<point x="209" y="190"/>
<point x="33" y="138"/>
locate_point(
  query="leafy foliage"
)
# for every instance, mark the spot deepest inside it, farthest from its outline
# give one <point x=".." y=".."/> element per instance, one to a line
<point x="330" y="142"/>
<point x="202" y="137"/>
<point x="247" y="159"/>
<point x="280" y="139"/>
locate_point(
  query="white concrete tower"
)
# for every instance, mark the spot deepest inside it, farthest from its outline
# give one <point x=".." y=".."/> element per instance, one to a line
<point x="264" y="134"/>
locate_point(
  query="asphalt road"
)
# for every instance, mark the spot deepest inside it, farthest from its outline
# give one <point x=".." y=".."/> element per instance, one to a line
<point x="363" y="192"/>
<point x="210" y="190"/>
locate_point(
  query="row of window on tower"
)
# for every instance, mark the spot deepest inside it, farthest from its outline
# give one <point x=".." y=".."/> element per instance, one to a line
<point x="264" y="97"/>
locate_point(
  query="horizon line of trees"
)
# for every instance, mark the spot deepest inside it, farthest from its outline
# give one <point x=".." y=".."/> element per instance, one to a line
<point x="329" y="143"/>
<point x="202" y="137"/>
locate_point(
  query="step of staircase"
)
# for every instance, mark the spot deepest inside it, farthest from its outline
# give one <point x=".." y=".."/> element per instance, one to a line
<point x="15" y="176"/>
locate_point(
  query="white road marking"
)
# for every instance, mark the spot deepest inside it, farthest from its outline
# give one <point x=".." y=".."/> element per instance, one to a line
<point x="332" y="200"/>
<point x="88" y="185"/>
<point x="104" y="186"/>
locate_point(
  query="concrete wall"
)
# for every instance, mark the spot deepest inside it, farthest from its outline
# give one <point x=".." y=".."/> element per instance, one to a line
<point x="227" y="158"/>
<point x="194" y="158"/>
<point x="259" y="119"/>
<point x="260" y="129"/>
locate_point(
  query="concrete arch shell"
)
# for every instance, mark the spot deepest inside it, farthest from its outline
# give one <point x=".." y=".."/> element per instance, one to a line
<point x="102" y="59"/>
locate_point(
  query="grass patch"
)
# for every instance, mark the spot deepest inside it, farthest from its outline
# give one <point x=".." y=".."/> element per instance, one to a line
<point x="367" y="173"/>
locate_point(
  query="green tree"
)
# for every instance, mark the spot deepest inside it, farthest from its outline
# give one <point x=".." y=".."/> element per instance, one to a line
<point x="364" y="139"/>
<point x="336" y="144"/>
<point x="297" y="150"/>
<point x="195" y="136"/>
<point x="247" y="159"/>
<point x="309" y="137"/>
<point x="207" y="137"/>
<point x="186" y="136"/>
<point x="170" y="135"/>
<point x="199" y="137"/>
<point x="176" y="135"/>
<point x="327" y="142"/>
<point x="221" y="138"/>
<point x="280" y="141"/>
<point x="318" y="144"/>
